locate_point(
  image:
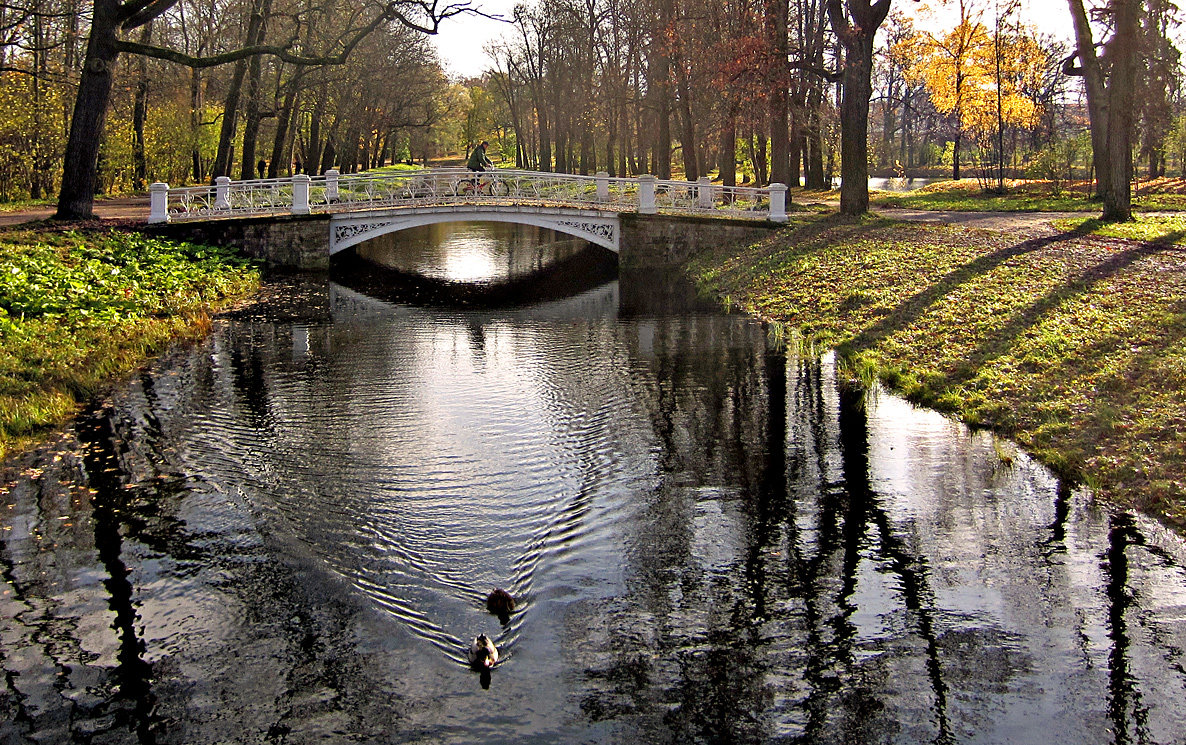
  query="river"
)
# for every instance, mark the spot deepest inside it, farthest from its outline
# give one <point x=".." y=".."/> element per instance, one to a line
<point x="286" y="534"/>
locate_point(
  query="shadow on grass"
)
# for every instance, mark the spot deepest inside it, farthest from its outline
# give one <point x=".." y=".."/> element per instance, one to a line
<point x="913" y="307"/>
<point x="1003" y="339"/>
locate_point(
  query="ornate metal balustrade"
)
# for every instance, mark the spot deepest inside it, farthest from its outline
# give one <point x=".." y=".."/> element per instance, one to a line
<point x="334" y="193"/>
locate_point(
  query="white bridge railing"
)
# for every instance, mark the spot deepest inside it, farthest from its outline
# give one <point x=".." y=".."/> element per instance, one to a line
<point x="302" y="194"/>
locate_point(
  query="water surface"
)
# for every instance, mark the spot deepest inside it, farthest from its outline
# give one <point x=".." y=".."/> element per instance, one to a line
<point x="286" y="534"/>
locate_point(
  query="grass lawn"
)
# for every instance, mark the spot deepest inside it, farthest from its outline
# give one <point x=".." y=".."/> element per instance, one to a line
<point x="394" y="168"/>
<point x="1148" y="228"/>
<point x="24" y="204"/>
<point x="79" y="310"/>
<point x="1073" y="345"/>
<point x="967" y="195"/>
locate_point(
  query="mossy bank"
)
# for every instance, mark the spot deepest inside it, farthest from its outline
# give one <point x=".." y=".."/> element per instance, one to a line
<point x="1073" y="345"/>
<point x="81" y="310"/>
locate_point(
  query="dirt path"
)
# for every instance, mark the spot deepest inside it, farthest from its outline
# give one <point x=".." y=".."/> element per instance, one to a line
<point x="1027" y="223"/>
<point x="121" y="208"/>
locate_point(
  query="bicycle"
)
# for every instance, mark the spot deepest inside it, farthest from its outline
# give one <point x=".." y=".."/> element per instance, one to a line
<point x="482" y="186"/>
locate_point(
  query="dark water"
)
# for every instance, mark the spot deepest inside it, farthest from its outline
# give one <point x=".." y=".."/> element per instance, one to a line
<point x="286" y="534"/>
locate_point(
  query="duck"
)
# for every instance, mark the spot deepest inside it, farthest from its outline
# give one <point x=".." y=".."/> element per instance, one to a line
<point x="500" y="603"/>
<point x="482" y="653"/>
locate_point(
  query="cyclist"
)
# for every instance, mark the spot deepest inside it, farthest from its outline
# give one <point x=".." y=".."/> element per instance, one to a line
<point x="478" y="161"/>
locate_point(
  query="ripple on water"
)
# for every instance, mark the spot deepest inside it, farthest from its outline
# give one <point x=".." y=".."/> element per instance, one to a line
<point x="455" y="464"/>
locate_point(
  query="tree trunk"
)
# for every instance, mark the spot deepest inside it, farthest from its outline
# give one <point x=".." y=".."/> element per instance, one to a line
<point x="561" y="141"/>
<point x="588" y="152"/>
<point x="611" y="137"/>
<point x="139" y="114"/>
<point x="661" y="152"/>
<point x="1121" y="50"/>
<point x="283" y="122"/>
<point x="230" y="113"/>
<point x="777" y="12"/>
<point x="545" y="144"/>
<point x="230" y="109"/>
<point x="1093" y="85"/>
<point x="197" y="104"/>
<point x="857" y="39"/>
<point x="760" y="174"/>
<point x="81" y="159"/>
<point x="854" y="126"/>
<point x="688" y="135"/>
<point x="794" y="154"/>
<point x="955" y="152"/>
<point x="251" y="120"/>
<point x="727" y="158"/>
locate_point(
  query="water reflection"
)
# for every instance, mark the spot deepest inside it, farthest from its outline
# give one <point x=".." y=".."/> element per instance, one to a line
<point x="288" y="533"/>
<point x="474" y="253"/>
<point x="900" y="184"/>
<point x="491" y="265"/>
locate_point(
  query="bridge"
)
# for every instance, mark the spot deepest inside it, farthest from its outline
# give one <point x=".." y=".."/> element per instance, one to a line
<point x="333" y="212"/>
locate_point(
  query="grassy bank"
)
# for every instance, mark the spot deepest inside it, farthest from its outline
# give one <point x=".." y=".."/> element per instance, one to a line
<point x="968" y="195"/>
<point x="1073" y="345"/>
<point x="80" y="310"/>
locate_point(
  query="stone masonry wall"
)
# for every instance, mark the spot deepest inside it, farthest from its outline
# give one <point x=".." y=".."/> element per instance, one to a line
<point x="656" y="241"/>
<point x="281" y="242"/>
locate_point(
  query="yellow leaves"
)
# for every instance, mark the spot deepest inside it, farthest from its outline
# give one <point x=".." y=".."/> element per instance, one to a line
<point x="960" y="71"/>
<point x="33" y="124"/>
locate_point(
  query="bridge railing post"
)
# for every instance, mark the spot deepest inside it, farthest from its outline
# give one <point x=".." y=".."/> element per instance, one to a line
<point x="704" y="193"/>
<point x="222" y="193"/>
<point x="158" y="202"/>
<point x="602" y="186"/>
<point x="778" y="202"/>
<point x="646" y="194"/>
<point x="331" y="185"/>
<point x="300" y="194"/>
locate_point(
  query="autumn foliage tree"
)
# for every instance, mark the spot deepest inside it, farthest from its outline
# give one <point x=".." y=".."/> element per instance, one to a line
<point x="960" y="71"/>
<point x="113" y="20"/>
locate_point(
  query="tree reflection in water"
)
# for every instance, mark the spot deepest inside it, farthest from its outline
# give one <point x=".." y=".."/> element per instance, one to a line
<point x="294" y="526"/>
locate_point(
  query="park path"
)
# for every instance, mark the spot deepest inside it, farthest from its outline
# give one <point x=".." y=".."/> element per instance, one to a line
<point x="1027" y="223"/>
<point x="120" y="208"/>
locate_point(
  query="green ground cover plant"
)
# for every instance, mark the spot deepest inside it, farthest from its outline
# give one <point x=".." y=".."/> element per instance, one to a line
<point x="1073" y="345"/>
<point x="79" y="310"/>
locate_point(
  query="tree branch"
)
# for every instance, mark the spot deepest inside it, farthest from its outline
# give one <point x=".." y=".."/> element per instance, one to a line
<point x="283" y="53"/>
<point x="395" y="11"/>
<point x="146" y="12"/>
<point x="1070" y="68"/>
<point x="831" y="76"/>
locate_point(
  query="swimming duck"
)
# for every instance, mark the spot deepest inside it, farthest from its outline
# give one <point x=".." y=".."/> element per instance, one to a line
<point x="500" y="603"/>
<point x="482" y="653"/>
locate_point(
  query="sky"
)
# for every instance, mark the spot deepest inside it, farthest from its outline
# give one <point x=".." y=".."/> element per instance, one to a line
<point x="462" y="39"/>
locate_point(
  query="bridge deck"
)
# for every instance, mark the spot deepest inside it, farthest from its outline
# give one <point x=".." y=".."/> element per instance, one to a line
<point x="529" y="191"/>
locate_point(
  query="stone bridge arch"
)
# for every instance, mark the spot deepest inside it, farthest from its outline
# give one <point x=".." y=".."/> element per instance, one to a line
<point x="349" y="229"/>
